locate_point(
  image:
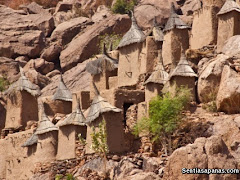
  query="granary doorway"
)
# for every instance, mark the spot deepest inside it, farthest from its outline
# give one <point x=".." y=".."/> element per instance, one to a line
<point x="126" y="106"/>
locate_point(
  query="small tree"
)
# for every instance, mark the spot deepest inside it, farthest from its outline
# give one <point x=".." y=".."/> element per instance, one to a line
<point x="124" y="6"/>
<point x="165" y="115"/>
<point x="109" y="40"/>
<point x="99" y="142"/>
<point x="3" y="83"/>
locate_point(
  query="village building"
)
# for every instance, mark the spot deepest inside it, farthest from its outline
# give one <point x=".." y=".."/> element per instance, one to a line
<point x="31" y="144"/>
<point x="176" y="39"/>
<point x="183" y="75"/>
<point x="130" y="51"/>
<point x="47" y="134"/>
<point x="104" y="71"/>
<point x="154" y="84"/>
<point x="61" y="101"/>
<point x="100" y="110"/>
<point x="204" y="27"/>
<point x="69" y="130"/>
<point x="22" y="104"/>
<point x="228" y="22"/>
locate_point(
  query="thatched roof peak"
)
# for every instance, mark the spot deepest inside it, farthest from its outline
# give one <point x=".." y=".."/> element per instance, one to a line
<point x="62" y="92"/>
<point x="31" y="141"/>
<point x="134" y="35"/>
<point x="157" y="31"/>
<point x="230" y="5"/>
<point x="99" y="106"/>
<point x="23" y="84"/>
<point x="174" y="21"/>
<point x="45" y="125"/>
<point x="103" y="63"/>
<point x="183" y="69"/>
<point x="75" y="118"/>
<point x="159" y="76"/>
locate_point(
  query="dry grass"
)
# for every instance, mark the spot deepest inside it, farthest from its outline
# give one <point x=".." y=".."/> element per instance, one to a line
<point x="16" y="3"/>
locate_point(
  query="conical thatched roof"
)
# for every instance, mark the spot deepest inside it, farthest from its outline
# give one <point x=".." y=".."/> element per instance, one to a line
<point x="31" y="141"/>
<point x="230" y="5"/>
<point x="76" y="118"/>
<point x="23" y="84"/>
<point x="62" y="92"/>
<point x="134" y="35"/>
<point x="45" y="125"/>
<point x="157" y="31"/>
<point x="99" y="105"/>
<point x="159" y="76"/>
<point x="105" y="62"/>
<point x="174" y="21"/>
<point x="183" y="69"/>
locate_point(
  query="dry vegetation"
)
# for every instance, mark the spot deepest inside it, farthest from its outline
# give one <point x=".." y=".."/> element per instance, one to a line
<point x="16" y="3"/>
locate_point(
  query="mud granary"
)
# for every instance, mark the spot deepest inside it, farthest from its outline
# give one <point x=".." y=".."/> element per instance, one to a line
<point x="143" y="66"/>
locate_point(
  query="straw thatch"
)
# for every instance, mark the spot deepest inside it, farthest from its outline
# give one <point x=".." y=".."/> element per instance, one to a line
<point x="183" y="69"/>
<point x="62" y="92"/>
<point x="134" y="35"/>
<point x="174" y="21"/>
<point x="45" y="125"/>
<point x="31" y="141"/>
<point x="99" y="106"/>
<point x="23" y="84"/>
<point x="76" y="118"/>
<point x="159" y="76"/>
<point x="104" y="63"/>
<point x="230" y="5"/>
<point x="157" y="31"/>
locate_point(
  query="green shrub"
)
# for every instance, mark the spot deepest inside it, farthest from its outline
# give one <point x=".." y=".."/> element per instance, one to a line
<point x="81" y="139"/>
<point x="123" y="6"/>
<point x="3" y="84"/>
<point x="109" y="40"/>
<point x="99" y="142"/>
<point x="210" y="98"/>
<point x="165" y="116"/>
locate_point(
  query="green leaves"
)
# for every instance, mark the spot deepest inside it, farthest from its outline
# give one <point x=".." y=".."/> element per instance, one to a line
<point x="123" y="6"/>
<point x="165" y="114"/>
<point x="3" y="84"/>
<point x="99" y="139"/>
<point x="109" y="39"/>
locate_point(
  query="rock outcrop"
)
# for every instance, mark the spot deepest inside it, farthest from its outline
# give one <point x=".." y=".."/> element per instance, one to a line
<point x="84" y="46"/>
<point x="9" y="69"/>
<point x="209" y="79"/>
<point x="228" y="97"/>
<point x="232" y="46"/>
<point x="204" y="153"/>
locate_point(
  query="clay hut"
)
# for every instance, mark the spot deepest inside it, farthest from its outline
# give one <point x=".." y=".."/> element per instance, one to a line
<point x="101" y="110"/>
<point x="62" y="100"/>
<point x="204" y="27"/>
<point x="47" y="138"/>
<point x="130" y="49"/>
<point x="155" y="82"/>
<point x="103" y="71"/>
<point x="22" y="103"/>
<point x="69" y="129"/>
<point x="176" y="39"/>
<point x="31" y="144"/>
<point x="228" y="22"/>
<point x="183" y="75"/>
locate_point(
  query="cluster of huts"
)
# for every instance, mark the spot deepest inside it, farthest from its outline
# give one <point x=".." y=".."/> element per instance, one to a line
<point x="132" y="74"/>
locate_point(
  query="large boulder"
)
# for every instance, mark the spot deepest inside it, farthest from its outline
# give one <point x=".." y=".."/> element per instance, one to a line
<point x="37" y="78"/>
<point x="40" y="65"/>
<point x="209" y="79"/>
<point x="76" y="79"/>
<point x="19" y="35"/>
<point x="33" y="8"/>
<point x="85" y="45"/>
<point x="232" y="46"/>
<point x="8" y="69"/>
<point x="65" y="31"/>
<point x="204" y="153"/>
<point x="228" y="97"/>
<point x="52" y="52"/>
